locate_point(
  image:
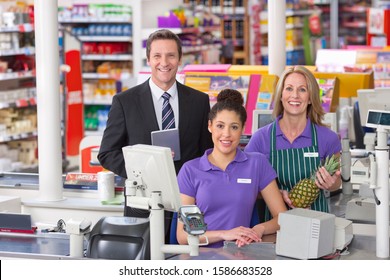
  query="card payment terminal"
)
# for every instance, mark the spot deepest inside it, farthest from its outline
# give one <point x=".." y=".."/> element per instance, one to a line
<point x="192" y="219"/>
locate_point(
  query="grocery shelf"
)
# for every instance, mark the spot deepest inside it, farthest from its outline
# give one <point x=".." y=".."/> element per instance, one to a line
<point x="264" y="27"/>
<point x="289" y="13"/>
<point x="93" y="75"/>
<point x="93" y="133"/>
<point x="95" y="20"/>
<point x="20" y="51"/>
<point x="98" y="102"/>
<point x="354" y="9"/>
<point x="27" y="27"/>
<point x="20" y="136"/>
<point x="105" y="38"/>
<point x="264" y="50"/>
<point x="17" y="75"/>
<point x="109" y="57"/>
<point x="20" y="103"/>
<point x="354" y="24"/>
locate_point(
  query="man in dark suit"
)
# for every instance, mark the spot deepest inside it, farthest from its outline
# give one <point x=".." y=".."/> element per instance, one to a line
<point x="136" y="112"/>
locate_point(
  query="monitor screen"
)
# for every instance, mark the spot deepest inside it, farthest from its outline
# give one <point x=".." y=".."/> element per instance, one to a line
<point x="153" y="166"/>
<point x="261" y="118"/>
<point x="375" y="118"/>
<point x="372" y="99"/>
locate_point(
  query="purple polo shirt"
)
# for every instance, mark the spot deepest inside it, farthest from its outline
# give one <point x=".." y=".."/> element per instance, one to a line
<point x="226" y="198"/>
<point x="328" y="141"/>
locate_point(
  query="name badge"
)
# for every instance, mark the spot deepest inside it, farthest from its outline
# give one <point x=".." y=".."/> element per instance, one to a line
<point x="244" y="181"/>
<point x="310" y="154"/>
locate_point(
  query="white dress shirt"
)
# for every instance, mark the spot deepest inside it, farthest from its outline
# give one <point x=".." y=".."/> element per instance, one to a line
<point x="158" y="102"/>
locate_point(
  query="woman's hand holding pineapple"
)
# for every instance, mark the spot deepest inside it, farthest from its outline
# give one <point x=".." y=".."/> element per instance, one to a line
<point x="323" y="181"/>
<point x="327" y="177"/>
<point x="326" y="181"/>
<point x="287" y="199"/>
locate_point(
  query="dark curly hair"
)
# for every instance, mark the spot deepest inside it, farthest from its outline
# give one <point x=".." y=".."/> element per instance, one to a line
<point x="231" y="100"/>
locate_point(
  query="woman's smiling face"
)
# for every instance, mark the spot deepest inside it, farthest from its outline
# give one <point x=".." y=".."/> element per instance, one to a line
<point x="226" y="129"/>
<point x="295" y="96"/>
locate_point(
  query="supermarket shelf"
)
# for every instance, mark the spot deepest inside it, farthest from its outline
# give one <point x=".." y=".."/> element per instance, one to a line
<point x="354" y="9"/>
<point x="93" y="133"/>
<point x="354" y="24"/>
<point x="26" y="135"/>
<point x="355" y="39"/>
<point x="27" y="27"/>
<point x="264" y="50"/>
<point x="20" y="103"/>
<point x="94" y="76"/>
<point x="321" y="2"/>
<point x="264" y="27"/>
<point x="21" y="51"/>
<point x="232" y="16"/>
<point x="289" y="13"/>
<point x="17" y="75"/>
<point x="96" y="20"/>
<point x="228" y="10"/>
<point x="235" y="42"/>
<point x="98" y="102"/>
<point x="110" y="57"/>
<point x="105" y="38"/>
<point x="190" y="49"/>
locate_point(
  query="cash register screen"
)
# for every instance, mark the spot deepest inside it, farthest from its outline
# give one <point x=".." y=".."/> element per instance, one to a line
<point x="378" y="118"/>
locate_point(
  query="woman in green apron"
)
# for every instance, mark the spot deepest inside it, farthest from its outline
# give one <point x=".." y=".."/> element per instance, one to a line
<point x="298" y="140"/>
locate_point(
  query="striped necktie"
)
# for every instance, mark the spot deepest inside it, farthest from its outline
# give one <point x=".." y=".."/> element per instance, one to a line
<point x="168" y="119"/>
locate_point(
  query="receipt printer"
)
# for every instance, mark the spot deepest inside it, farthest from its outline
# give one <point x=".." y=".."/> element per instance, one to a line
<point x="308" y="234"/>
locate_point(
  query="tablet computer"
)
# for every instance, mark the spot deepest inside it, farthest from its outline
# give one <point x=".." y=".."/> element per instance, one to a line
<point x="167" y="138"/>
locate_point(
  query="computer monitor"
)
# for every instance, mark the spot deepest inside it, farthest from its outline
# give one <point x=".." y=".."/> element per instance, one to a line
<point x="153" y="166"/>
<point x="377" y="118"/>
<point x="372" y="99"/>
<point x="261" y="118"/>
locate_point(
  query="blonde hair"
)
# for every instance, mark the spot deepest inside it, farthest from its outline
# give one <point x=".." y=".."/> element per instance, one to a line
<point x="314" y="110"/>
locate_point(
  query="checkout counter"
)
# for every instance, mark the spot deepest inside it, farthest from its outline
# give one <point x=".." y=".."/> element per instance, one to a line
<point x="362" y="246"/>
<point x="57" y="245"/>
<point x="18" y="194"/>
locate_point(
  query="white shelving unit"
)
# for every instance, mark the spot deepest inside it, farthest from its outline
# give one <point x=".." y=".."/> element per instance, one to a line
<point x="17" y="95"/>
<point x="143" y="20"/>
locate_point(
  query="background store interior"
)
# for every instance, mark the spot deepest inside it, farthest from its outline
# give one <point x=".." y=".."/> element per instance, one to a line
<point x="346" y="43"/>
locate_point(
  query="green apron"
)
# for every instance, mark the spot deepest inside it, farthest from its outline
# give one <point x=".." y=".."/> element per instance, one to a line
<point x="292" y="165"/>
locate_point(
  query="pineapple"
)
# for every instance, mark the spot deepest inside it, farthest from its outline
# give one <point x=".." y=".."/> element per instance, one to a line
<point x="305" y="192"/>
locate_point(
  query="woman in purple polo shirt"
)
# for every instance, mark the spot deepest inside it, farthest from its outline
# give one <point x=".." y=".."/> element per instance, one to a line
<point x="225" y="182"/>
<point x="298" y="134"/>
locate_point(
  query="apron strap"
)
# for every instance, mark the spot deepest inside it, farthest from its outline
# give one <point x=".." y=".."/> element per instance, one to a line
<point x="273" y="136"/>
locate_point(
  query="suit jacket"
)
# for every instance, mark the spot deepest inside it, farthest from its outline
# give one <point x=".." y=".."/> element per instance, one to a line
<point x="132" y="118"/>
